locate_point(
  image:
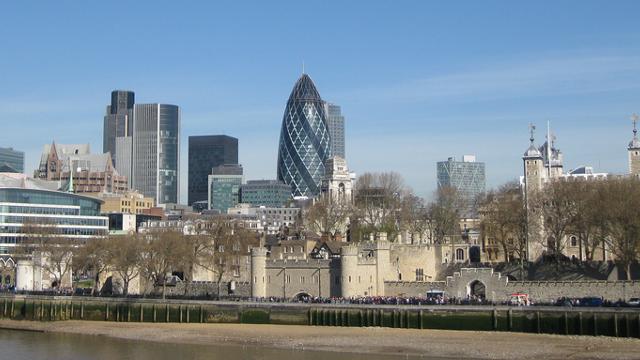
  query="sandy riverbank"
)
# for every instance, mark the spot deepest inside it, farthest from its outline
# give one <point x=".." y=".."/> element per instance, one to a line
<point x="427" y="343"/>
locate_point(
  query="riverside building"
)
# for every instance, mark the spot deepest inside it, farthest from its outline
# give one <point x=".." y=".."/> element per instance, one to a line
<point x="33" y="201"/>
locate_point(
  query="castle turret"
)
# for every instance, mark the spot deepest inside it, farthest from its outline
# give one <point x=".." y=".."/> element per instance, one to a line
<point x="349" y="267"/>
<point x="534" y="176"/>
<point x="634" y="149"/>
<point x="383" y="263"/>
<point x="258" y="272"/>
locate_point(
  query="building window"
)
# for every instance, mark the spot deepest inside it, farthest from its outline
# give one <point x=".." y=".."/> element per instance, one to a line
<point x="574" y="241"/>
<point x="419" y="274"/>
<point x="459" y="254"/>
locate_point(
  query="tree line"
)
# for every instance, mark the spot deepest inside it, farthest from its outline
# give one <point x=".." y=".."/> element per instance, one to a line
<point x="216" y="247"/>
<point x="601" y="215"/>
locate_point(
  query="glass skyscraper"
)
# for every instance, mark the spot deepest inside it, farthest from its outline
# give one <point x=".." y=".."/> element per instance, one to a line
<point x="335" y="122"/>
<point x="11" y="160"/>
<point x="117" y="121"/>
<point x="205" y="153"/>
<point x="466" y="176"/>
<point x="305" y="142"/>
<point x="224" y="187"/>
<point x="156" y="134"/>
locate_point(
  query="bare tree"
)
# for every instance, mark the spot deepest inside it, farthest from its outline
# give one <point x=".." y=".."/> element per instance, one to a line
<point x="51" y="249"/>
<point x="504" y="219"/>
<point x="125" y="257"/>
<point x="445" y="214"/>
<point x="558" y="209"/>
<point x="624" y="221"/>
<point x="229" y="245"/>
<point x="377" y="200"/>
<point x="92" y="257"/>
<point x="162" y="253"/>
<point x="328" y="217"/>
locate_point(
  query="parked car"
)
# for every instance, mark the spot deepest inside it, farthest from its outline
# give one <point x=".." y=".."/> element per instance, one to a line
<point x="634" y="302"/>
<point x="591" y="301"/>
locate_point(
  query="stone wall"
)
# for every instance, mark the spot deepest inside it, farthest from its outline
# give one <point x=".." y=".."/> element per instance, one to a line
<point x="412" y="288"/>
<point x="207" y="289"/>
<point x="552" y="290"/>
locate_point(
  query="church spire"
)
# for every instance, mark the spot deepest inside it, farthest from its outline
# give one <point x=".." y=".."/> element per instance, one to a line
<point x="635" y="143"/>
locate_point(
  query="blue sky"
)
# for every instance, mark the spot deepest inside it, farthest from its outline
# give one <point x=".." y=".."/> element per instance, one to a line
<point x="417" y="81"/>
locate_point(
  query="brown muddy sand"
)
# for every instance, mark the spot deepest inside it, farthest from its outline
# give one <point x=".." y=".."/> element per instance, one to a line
<point x="422" y="343"/>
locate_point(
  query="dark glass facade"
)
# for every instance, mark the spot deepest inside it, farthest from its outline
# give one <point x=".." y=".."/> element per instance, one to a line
<point x="11" y="160"/>
<point x="305" y="142"/>
<point x="205" y="153"/>
<point x="117" y="121"/>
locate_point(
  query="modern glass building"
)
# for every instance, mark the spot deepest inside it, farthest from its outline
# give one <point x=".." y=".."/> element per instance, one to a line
<point x="117" y="120"/>
<point x="11" y="160"/>
<point x="335" y="122"/>
<point x="156" y="145"/>
<point x="466" y="176"/>
<point x="205" y="153"/>
<point x="25" y="201"/>
<point x="224" y="187"/>
<point x="305" y="142"/>
<point x="269" y="193"/>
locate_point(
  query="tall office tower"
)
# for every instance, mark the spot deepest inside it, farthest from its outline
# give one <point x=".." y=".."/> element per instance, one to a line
<point x="205" y="153"/>
<point x="11" y="160"/>
<point x="305" y="143"/>
<point x="224" y="187"/>
<point x="117" y="120"/>
<point x="156" y="152"/>
<point x="335" y="122"/>
<point x="466" y="176"/>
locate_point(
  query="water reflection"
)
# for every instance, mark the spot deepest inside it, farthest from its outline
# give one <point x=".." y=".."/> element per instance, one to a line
<point x="22" y="345"/>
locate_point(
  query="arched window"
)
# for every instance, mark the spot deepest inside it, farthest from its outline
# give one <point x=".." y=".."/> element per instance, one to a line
<point x="459" y="254"/>
<point x="573" y="240"/>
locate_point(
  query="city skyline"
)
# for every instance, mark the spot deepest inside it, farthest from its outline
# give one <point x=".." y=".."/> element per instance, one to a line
<point x="420" y="87"/>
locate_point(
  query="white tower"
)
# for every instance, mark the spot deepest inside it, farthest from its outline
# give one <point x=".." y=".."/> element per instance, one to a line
<point x="535" y="175"/>
<point x="337" y="182"/>
<point x="634" y="149"/>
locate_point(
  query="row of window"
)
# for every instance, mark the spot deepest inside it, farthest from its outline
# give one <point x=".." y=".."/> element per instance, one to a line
<point x="38" y="210"/>
<point x="17" y="219"/>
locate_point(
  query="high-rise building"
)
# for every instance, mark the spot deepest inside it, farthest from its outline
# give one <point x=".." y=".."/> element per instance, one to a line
<point x="224" y="187"/>
<point x="205" y="153"/>
<point x="305" y="142"/>
<point x="117" y="120"/>
<point x="11" y="160"/>
<point x="270" y="193"/>
<point x="466" y="176"/>
<point x="156" y="150"/>
<point x="335" y="122"/>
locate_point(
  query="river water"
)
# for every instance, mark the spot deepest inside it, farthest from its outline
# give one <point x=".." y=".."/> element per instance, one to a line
<point x="24" y="345"/>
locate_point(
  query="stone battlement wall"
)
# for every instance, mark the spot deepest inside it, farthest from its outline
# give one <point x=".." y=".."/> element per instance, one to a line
<point x="552" y="290"/>
<point x="412" y="288"/>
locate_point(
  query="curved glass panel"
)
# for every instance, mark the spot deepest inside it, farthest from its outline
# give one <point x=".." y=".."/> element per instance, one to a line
<point x="304" y="140"/>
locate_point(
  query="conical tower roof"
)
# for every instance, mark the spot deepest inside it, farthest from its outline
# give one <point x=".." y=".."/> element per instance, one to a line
<point x="304" y="89"/>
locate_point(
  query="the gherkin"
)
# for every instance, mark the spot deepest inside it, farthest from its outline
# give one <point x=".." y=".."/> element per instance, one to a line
<point x="304" y="140"/>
